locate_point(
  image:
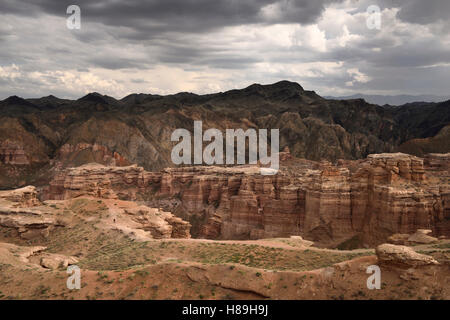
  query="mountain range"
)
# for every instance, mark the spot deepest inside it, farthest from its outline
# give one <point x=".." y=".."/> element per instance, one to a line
<point x="394" y="100"/>
<point x="38" y="135"/>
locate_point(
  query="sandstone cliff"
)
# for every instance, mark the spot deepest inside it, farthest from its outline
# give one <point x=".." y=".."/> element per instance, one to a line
<point x="19" y="212"/>
<point x="365" y="200"/>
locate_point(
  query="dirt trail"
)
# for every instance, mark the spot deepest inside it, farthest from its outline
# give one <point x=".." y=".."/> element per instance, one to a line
<point x="273" y="243"/>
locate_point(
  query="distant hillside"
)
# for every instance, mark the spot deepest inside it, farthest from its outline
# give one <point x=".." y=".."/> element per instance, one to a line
<point x="393" y="100"/>
<point x="36" y="134"/>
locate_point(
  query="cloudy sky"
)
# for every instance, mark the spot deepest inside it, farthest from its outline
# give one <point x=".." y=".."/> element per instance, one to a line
<point x="204" y="46"/>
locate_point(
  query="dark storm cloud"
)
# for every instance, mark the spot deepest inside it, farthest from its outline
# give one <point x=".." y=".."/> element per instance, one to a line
<point x="227" y="43"/>
<point x="424" y="11"/>
<point x="418" y="53"/>
<point x="115" y="63"/>
<point x="413" y="11"/>
<point x="150" y="17"/>
<point x="230" y="62"/>
<point x="138" y="81"/>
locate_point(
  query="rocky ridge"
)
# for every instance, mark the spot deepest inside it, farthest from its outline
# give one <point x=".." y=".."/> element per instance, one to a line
<point x="24" y="214"/>
<point x="37" y="135"/>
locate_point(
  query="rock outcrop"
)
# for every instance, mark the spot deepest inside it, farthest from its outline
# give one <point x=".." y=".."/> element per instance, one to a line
<point x="422" y="237"/>
<point x="96" y="180"/>
<point x="12" y="153"/>
<point x="56" y="261"/>
<point x="374" y="198"/>
<point x="21" y="211"/>
<point x="23" y="197"/>
<point x="394" y="255"/>
<point x="29" y="223"/>
<point x="391" y="194"/>
<point x="398" y="238"/>
<point x="161" y="224"/>
<point x="18" y="211"/>
<point x="77" y="154"/>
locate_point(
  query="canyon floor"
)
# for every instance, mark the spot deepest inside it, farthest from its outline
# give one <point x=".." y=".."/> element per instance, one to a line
<point x="118" y="260"/>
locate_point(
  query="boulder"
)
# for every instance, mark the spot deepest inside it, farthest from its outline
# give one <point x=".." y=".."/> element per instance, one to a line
<point x="56" y="261"/>
<point x="390" y="254"/>
<point x="399" y="238"/>
<point x="422" y="237"/>
<point x="23" y="197"/>
<point x="302" y="241"/>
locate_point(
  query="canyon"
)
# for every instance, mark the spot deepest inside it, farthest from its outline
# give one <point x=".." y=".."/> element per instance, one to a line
<point x="362" y="202"/>
<point x="91" y="183"/>
<point x="127" y="250"/>
<point x="38" y="134"/>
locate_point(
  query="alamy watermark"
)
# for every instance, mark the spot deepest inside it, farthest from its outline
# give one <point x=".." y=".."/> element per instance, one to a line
<point x="214" y="152"/>
<point x="373" y="21"/>
<point x="74" y="20"/>
<point x="74" y="280"/>
<point x="374" y="281"/>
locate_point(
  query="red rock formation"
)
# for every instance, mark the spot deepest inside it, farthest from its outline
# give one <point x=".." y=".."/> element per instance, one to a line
<point x="376" y="197"/>
<point x="402" y="256"/>
<point x="16" y="212"/>
<point x="438" y="169"/>
<point x="23" y="197"/>
<point x="22" y="211"/>
<point x="13" y="153"/>
<point x="97" y="181"/>
<point x="69" y="153"/>
<point x="328" y="204"/>
<point x="390" y="194"/>
<point x="160" y="224"/>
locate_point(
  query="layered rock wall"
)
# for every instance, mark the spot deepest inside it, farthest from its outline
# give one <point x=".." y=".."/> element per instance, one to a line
<point x="376" y="197"/>
<point x="13" y="153"/>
